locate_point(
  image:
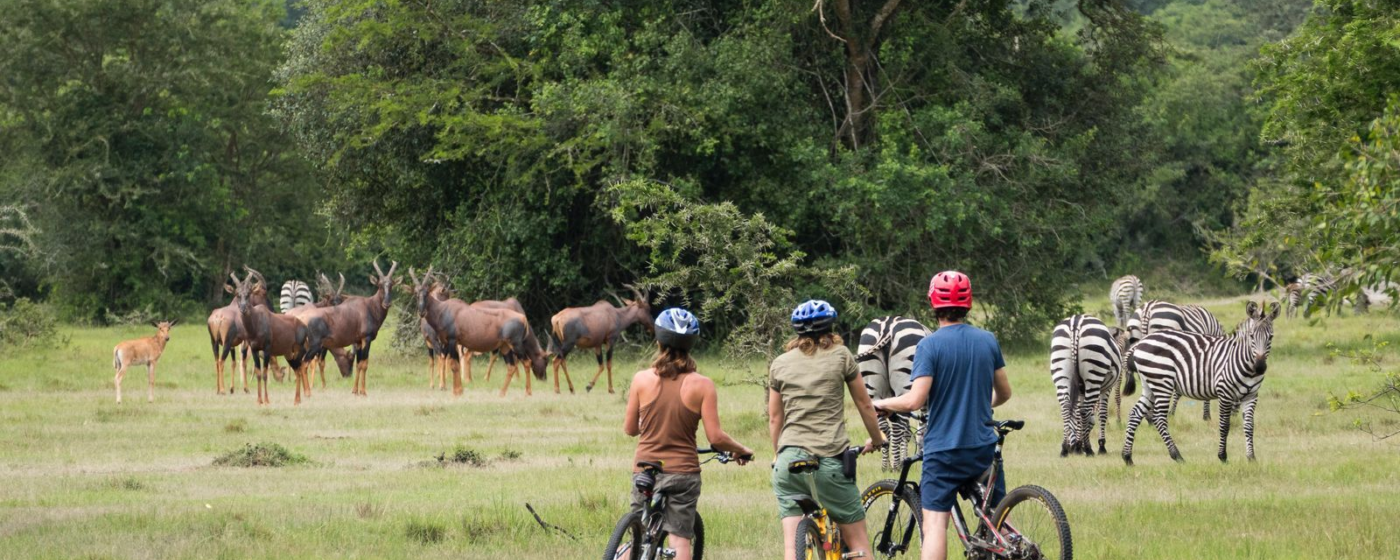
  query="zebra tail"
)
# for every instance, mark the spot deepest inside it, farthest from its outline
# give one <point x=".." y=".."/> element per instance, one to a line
<point x="1076" y="381"/>
<point x="1130" y="377"/>
<point x="885" y="337"/>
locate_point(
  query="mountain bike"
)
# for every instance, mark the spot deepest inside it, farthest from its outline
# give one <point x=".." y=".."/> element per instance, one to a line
<point x="1028" y="524"/>
<point x="818" y="536"/>
<point x="639" y="534"/>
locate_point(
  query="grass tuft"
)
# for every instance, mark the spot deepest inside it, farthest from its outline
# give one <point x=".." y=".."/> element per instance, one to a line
<point x="128" y="483"/>
<point x="368" y="510"/>
<point x="425" y="532"/>
<point x="235" y="426"/>
<point x="477" y="528"/>
<point x="510" y="455"/>
<point x="260" y="455"/>
<point x="427" y="410"/>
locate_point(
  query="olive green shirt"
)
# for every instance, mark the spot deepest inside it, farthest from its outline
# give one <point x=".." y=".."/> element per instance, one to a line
<point x="813" y="389"/>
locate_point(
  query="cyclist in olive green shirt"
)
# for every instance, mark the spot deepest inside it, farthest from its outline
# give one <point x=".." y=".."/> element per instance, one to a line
<point x="807" y="418"/>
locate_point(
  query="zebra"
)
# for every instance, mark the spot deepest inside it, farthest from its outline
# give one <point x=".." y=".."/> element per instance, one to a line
<point x="1202" y="367"/>
<point x="885" y="357"/>
<point x="1314" y="286"/>
<point x="1126" y="295"/>
<point x="1294" y="295"/>
<point x="1157" y="315"/>
<point x="1085" y="358"/>
<point x="295" y="293"/>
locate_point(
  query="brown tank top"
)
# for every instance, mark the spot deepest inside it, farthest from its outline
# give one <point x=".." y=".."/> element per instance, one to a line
<point x="668" y="430"/>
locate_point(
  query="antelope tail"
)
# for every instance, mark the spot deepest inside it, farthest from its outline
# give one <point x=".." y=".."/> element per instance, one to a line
<point x="117" y="359"/>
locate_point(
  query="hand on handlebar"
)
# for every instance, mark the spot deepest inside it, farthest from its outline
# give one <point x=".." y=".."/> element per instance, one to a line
<point x="871" y="446"/>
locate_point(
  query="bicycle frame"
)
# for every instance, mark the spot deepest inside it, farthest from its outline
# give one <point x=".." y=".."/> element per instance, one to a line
<point x="976" y="493"/>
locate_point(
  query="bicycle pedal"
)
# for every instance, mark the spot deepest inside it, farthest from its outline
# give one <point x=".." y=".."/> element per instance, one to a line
<point x="856" y="554"/>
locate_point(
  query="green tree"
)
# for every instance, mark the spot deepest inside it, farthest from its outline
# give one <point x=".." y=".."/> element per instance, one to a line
<point x="144" y="150"/>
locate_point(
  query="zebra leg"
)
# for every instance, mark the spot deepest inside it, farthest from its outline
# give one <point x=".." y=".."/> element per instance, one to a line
<point x="1205" y="410"/>
<point x="1134" y="418"/>
<point x="1117" y="405"/>
<point x="1159" y="420"/>
<point x="1067" y="420"/>
<point x="1249" y="403"/>
<point x="898" y="441"/>
<point x="1176" y="398"/>
<point x="884" y="423"/>
<point x="1103" y="422"/>
<point x="1225" y="409"/>
<point x="1086" y="425"/>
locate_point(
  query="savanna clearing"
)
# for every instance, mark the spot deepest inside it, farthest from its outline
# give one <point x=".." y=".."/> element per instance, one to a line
<point x="87" y="478"/>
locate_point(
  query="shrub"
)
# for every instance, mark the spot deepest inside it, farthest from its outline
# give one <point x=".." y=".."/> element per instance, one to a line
<point x="26" y="323"/>
<point x="260" y="455"/>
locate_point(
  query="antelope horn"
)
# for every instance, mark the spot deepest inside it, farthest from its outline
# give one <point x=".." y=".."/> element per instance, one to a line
<point x="342" y="284"/>
<point x="261" y="282"/>
<point x="234" y="276"/>
<point x="393" y="265"/>
<point x="376" y="268"/>
<point x="412" y="276"/>
<point x="635" y="292"/>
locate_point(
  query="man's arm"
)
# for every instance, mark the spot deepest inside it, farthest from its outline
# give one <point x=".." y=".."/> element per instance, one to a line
<point x="911" y="401"/>
<point x="709" y="414"/>
<point x="867" y="413"/>
<point x="1001" y="388"/>
<point x="631" y="421"/>
<point x="776" y="418"/>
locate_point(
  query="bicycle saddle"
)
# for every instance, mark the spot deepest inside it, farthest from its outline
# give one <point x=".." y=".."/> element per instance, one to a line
<point x="803" y="466"/>
<point x="650" y="466"/>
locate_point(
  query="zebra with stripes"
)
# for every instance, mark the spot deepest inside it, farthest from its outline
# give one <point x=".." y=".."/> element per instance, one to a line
<point x="885" y="357"/>
<point x="1085" y="359"/>
<point x="1293" y="294"/>
<point x="1316" y="286"/>
<point x="295" y="293"/>
<point x="1126" y="295"/>
<point x="1228" y="368"/>
<point x="1157" y="315"/>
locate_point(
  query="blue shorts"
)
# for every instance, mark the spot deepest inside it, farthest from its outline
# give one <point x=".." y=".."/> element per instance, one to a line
<point x="945" y="471"/>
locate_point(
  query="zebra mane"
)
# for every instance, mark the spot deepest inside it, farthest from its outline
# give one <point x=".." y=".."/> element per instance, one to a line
<point x="884" y="340"/>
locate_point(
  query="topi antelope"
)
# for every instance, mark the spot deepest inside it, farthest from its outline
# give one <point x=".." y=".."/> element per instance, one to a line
<point x="478" y="329"/>
<point x="595" y="326"/>
<point x="269" y="334"/>
<point x="509" y="303"/>
<point x="141" y="351"/>
<point x="330" y="295"/>
<point x="226" y="336"/>
<point x="354" y="322"/>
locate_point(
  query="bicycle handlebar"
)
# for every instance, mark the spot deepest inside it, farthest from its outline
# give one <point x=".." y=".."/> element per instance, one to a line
<point x="723" y="456"/>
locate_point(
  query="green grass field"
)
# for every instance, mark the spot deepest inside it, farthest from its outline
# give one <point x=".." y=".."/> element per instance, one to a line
<point x="87" y="478"/>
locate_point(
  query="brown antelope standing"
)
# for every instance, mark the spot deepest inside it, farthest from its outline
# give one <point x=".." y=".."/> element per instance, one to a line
<point x="354" y="322"/>
<point x="463" y="328"/>
<point x="509" y="303"/>
<point x="226" y="336"/>
<point x="145" y="350"/>
<point x="330" y="295"/>
<point x="269" y="334"/>
<point x="596" y="327"/>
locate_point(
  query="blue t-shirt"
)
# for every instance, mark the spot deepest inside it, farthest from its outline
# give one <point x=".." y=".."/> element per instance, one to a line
<point x="961" y="359"/>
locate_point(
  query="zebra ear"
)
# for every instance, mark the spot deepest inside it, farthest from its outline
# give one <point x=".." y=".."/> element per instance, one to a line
<point x="1252" y="309"/>
<point x="1273" y="311"/>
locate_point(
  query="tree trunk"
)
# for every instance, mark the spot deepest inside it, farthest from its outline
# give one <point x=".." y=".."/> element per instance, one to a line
<point x="862" y="40"/>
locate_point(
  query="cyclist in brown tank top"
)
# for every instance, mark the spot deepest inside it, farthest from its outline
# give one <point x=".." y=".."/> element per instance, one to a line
<point x="665" y="405"/>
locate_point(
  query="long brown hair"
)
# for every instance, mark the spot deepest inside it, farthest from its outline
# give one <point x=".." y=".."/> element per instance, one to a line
<point x="809" y="343"/>
<point x="671" y="362"/>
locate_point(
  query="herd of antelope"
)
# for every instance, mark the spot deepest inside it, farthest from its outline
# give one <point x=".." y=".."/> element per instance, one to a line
<point x="345" y="327"/>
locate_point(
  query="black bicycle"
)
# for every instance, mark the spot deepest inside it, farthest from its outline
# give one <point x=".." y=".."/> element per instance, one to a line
<point x="638" y="535"/>
<point x="1029" y="524"/>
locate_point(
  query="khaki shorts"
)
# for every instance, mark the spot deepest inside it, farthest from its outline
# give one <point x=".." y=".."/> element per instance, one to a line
<point x="836" y="493"/>
<point x="682" y="494"/>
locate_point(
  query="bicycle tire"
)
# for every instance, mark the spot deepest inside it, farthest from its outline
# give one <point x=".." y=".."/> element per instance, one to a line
<point x="630" y="524"/>
<point x="809" y="541"/>
<point x="1041" y="541"/>
<point x="697" y="545"/>
<point x="873" y="499"/>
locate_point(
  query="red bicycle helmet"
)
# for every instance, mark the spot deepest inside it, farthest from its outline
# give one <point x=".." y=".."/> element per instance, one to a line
<point x="950" y="289"/>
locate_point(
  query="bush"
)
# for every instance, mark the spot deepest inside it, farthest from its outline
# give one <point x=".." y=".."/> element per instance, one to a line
<point x="260" y="455"/>
<point x="25" y="323"/>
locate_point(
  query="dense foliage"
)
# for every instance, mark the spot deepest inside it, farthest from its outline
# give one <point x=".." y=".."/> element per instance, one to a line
<point x="735" y="157"/>
<point x="136" y="138"/>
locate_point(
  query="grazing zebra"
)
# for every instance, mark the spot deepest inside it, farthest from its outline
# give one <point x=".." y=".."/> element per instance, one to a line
<point x="295" y="293"/>
<point x="1202" y="367"/>
<point x="885" y="357"/>
<point x="1085" y="358"/>
<point x="1294" y="295"/>
<point x="1156" y="315"/>
<point x="1126" y="295"/>
<point x="1314" y="286"/>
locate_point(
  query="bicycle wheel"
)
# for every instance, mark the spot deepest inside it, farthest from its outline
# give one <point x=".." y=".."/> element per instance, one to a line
<point x="698" y="543"/>
<point x="877" y="500"/>
<point x="809" y="541"/>
<point x="626" y="540"/>
<point x="1034" y="524"/>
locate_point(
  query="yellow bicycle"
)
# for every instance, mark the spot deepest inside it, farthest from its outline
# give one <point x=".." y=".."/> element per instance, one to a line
<point x="818" y="536"/>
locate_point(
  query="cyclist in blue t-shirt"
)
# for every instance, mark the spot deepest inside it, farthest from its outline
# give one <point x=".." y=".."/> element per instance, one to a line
<point x="960" y="373"/>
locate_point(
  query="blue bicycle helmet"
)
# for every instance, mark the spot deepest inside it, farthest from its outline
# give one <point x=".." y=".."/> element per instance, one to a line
<point x="813" y="316"/>
<point x="677" y="328"/>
